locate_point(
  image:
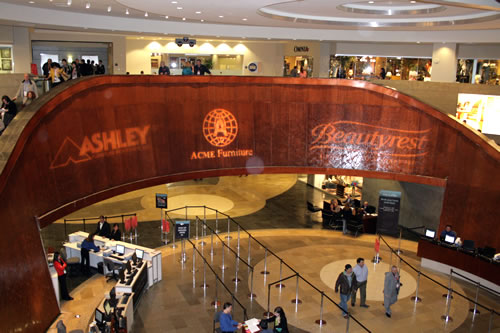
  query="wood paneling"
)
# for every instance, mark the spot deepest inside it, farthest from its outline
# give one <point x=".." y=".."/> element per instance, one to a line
<point x="153" y="125"/>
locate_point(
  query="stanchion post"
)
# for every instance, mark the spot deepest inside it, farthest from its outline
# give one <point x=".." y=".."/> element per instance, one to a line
<point x="399" y="241"/>
<point x="173" y="235"/>
<point x="265" y="272"/>
<point x="123" y="226"/>
<point x="216" y="221"/>
<point x="416" y="298"/>
<point x="194" y="268"/>
<point x="212" y="245"/>
<point x="296" y="300"/>
<point x="249" y="248"/>
<point x="348" y="322"/>
<point x="321" y="322"/>
<point x="236" y="279"/>
<point x="474" y="310"/>
<point x="186" y="212"/>
<point x="204" y="285"/>
<point x="216" y="289"/>
<point x="251" y="295"/>
<point x="268" y="301"/>
<point x="196" y="228"/>
<point x="448" y="294"/>
<point x="238" y="245"/>
<point x="65" y="231"/>
<point x="223" y="267"/>
<point x="228" y="229"/>
<point x="447" y="317"/>
<point x="281" y="285"/>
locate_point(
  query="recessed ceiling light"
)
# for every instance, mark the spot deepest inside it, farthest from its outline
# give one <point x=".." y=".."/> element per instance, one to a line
<point x="179" y="7"/>
<point x="245" y="19"/>
<point x="109" y="9"/>
<point x="174" y="2"/>
<point x="202" y="20"/>
<point x="413" y="2"/>
<point x="146" y="14"/>
<point x="184" y="19"/>
<point x="31" y="2"/>
<point x="166" y="17"/>
<point x="198" y="12"/>
<point x="418" y="42"/>
<point x="69" y="2"/>
<point x="268" y="38"/>
<point x="87" y="5"/>
<point x="221" y="16"/>
<point x="371" y="1"/>
<point x="126" y="11"/>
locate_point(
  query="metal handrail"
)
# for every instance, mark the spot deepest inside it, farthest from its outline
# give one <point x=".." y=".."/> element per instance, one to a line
<point x="489" y="290"/>
<point x="431" y="279"/>
<point x="97" y="218"/>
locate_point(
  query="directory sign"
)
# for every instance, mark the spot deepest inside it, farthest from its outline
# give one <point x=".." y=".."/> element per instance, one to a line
<point x="161" y="200"/>
<point x="181" y="229"/>
<point x="388" y="212"/>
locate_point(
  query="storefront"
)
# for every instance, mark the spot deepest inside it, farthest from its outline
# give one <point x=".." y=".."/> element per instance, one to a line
<point x="299" y="57"/>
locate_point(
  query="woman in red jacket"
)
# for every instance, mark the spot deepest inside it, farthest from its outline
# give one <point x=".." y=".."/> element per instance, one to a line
<point x="60" y="267"/>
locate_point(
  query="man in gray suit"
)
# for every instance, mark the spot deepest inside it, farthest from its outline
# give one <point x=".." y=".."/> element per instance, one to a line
<point x="391" y="289"/>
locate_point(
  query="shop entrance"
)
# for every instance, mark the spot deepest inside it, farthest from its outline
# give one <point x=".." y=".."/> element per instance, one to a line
<point x="304" y="62"/>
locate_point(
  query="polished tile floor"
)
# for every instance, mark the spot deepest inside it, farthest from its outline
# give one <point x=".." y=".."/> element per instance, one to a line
<point x="179" y="304"/>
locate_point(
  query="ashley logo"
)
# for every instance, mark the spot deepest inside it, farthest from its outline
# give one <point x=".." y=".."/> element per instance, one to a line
<point x="356" y="135"/>
<point x="100" y="144"/>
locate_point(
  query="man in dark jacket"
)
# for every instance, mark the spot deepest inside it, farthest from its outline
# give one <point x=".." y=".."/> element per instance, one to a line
<point x="103" y="228"/>
<point x="200" y="69"/>
<point x="347" y="283"/>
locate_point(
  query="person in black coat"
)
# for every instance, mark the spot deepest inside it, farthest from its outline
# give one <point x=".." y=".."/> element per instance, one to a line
<point x="8" y="111"/>
<point x="103" y="228"/>
<point x="279" y="320"/>
<point x="116" y="234"/>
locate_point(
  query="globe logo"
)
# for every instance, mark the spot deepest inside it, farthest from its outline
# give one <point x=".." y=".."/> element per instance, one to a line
<point x="220" y="127"/>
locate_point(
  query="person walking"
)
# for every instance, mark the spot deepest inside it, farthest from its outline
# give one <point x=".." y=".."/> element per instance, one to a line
<point x="391" y="289"/>
<point x="361" y="273"/>
<point x="347" y="282"/>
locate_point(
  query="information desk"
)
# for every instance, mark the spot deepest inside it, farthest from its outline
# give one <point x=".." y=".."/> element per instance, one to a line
<point x="125" y="306"/>
<point x="108" y="247"/>
<point x="434" y="255"/>
<point x="135" y="282"/>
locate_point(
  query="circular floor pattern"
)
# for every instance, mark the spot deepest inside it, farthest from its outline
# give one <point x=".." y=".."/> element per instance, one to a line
<point x="376" y="276"/>
<point x="214" y="201"/>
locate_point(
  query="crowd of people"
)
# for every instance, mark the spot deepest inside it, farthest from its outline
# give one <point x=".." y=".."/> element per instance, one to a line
<point x="57" y="73"/>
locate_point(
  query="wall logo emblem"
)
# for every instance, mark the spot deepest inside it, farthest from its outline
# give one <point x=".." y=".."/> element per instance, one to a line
<point x="220" y="127"/>
<point x="100" y="144"/>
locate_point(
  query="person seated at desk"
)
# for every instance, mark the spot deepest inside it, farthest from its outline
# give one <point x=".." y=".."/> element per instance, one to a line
<point x="227" y="324"/>
<point x="279" y="320"/>
<point x="334" y="206"/>
<point x="87" y="245"/>
<point x="116" y="234"/>
<point x="367" y="209"/>
<point x="447" y="232"/>
<point x="103" y="228"/>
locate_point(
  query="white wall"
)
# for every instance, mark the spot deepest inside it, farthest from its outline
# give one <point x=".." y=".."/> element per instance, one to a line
<point x="21" y="50"/>
<point x="6" y="34"/>
<point x="118" y="42"/>
<point x="444" y="62"/>
<point x="269" y="55"/>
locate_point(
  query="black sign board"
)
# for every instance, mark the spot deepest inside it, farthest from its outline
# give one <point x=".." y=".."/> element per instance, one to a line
<point x="388" y="212"/>
<point x="161" y="200"/>
<point x="181" y="229"/>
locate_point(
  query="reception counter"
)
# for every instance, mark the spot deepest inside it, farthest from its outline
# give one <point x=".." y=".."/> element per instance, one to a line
<point x="442" y="259"/>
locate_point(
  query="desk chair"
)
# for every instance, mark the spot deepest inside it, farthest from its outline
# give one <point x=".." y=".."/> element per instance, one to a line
<point x="217" y="322"/>
<point x="72" y="262"/>
<point x="112" y="267"/>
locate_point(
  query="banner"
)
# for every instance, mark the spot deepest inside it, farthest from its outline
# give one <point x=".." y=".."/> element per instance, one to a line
<point x="161" y="200"/>
<point x="388" y="212"/>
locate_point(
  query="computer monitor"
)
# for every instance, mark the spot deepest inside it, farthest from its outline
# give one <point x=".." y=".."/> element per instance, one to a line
<point x="120" y="249"/>
<point x="99" y="316"/>
<point x="139" y="253"/>
<point x="429" y="233"/>
<point x="107" y="307"/>
<point x="449" y="239"/>
<point x="129" y="267"/>
<point x="121" y="275"/>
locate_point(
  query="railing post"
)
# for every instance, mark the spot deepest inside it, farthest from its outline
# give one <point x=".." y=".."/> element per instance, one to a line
<point x="223" y="267"/>
<point x="249" y="247"/>
<point x="474" y="310"/>
<point x="265" y="272"/>
<point x="228" y="229"/>
<point x="216" y="221"/>
<point x="447" y="317"/>
<point x="416" y="298"/>
<point x="281" y="285"/>
<point x="321" y="322"/>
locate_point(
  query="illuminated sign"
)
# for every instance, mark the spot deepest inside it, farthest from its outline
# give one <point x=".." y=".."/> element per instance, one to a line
<point x="359" y="136"/>
<point x="100" y="144"/>
<point x="301" y="49"/>
<point x="220" y="129"/>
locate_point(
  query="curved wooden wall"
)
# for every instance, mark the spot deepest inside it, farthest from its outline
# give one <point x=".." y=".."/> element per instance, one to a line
<point x="111" y="134"/>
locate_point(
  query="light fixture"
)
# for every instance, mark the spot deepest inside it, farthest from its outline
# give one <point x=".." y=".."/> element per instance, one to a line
<point x="31" y="2"/>
<point x="221" y="16"/>
<point x="371" y="1"/>
<point x="198" y="12"/>
<point x="179" y="7"/>
<point x="69" y="2"/>
<point x="245" y="19"/>
<point x="413" y="2"/>
<point x="146" y="14"/>
<point x="418" y="42"/>
<point x="166" y="17"/>
<point x="184" y="19"/>
<point x="109" y="9"/>
<point x="87" y="5"/>
<point x="174" y="2"/>
<point x="202" y="20"/>
<point x="126" y="11"/>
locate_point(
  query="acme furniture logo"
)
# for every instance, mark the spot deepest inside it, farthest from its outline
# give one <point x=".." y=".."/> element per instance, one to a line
<point x="382" y="140"/>
<point x="220" y="127"/>
<point x="100" y="144"/>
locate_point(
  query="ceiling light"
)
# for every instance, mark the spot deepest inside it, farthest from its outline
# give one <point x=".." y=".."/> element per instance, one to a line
<point x="32" y="2"/>
<point x="179" y="7"/>
<point x="184" y="19"/>
<point x="126" y="11"/>
<point x="198" y="12"/>
<point x="109" y="9"/>
<point x="174" y="2"/>
<point x="413" y="2"/>
<point x="418" y="42"/>
<point x="69" y="2"/>
<point x="146" y="14"/>
<point x="221" y="16"/>
<point x="371" y="1"/>
<point x="87" y="5"/>
<point x="202" y="20"/>
<point x="245" y="19"/>
<point x="268" y="38"/>
<point x="166" y="17"/>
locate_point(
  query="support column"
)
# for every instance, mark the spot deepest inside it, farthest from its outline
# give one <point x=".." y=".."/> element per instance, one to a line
<point x="444" y="62"/>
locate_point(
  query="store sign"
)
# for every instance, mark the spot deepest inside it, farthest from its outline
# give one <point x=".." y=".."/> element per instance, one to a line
<point x="100" y="144"/>
<point x="253" y="67"/>
<point x="220" y="129"/>
<point x="161" y="200"/>
<point x="386" y="141"/>
<point x="181" y="229"/>
<point x="301" y="49"/>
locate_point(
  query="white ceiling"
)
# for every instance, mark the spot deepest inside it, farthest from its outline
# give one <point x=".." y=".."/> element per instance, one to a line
<point x="394" y="20"/>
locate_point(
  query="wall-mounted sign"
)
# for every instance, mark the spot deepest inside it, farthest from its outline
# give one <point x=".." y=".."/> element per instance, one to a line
<point x="161" y="200"/>
<point x="100" y="144"/>
<point x="388" y="212"/>
<point x="181" y="229"/>
<point x="301" y="49"/>
<point x="253" y="67"/>
<point x="220" y="129"/>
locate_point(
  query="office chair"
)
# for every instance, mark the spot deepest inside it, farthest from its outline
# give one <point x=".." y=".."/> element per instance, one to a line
<point x="217" y="321"/>
<point x="111" y="267"/>
<point x="354" y="226"/>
